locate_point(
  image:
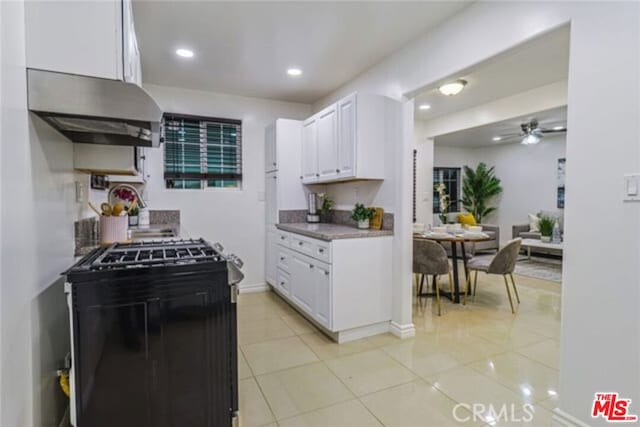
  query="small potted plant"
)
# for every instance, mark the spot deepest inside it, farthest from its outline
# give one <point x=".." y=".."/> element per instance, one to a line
<point x="326" y="208"/>
<point x="362" y="215"/>
<point x="133" y="215"/>
<point x="545" y="225"/>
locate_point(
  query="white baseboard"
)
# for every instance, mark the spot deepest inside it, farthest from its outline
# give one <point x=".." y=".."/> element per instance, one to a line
<point x="361" y="332"/>
<point x="256" y="287"/>
<point x="562" y="419"/>
<point x="402" y="331"/>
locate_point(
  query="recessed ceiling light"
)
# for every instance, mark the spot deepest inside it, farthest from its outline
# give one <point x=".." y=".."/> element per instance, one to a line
<point x="497" y="138"/>
<point x="558" y="127"/>
<point x="424" y="107"/>
<point x="185" y="53"/>
<point x="294" y="72"/>
<point x="452" y="88"/>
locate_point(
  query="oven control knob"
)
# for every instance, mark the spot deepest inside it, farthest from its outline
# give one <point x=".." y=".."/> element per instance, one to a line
<point x="218" y="247"/>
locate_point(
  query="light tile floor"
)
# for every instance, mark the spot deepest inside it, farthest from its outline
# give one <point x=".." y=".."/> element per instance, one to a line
<point x="291" y="375"/>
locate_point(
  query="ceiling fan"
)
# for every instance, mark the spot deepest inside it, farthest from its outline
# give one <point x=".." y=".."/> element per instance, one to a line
<point x="531" y="132"/>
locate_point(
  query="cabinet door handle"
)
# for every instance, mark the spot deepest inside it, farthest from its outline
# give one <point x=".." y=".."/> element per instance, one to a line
<point x="321" y="250"/>
<point x="300" y="243"/>
<point x="281" y="283"/>
<point x="326" y="273"/>
<point x="318" y="175"/>
<point x="301" y="177"/>
<point x="310" y="265"/>
<point x="281" y="258"/>
<point x="281" y="237"/>
<point x="274" y="163"/>
<point x="337" y="170"/>
<point x="275" y="177"/>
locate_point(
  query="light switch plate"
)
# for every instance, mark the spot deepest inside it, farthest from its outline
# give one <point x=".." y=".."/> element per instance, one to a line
<point x="632" y="187"/>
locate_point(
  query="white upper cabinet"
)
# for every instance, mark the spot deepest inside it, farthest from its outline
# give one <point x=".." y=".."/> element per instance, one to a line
<point x="346" y="167"/>
<point x="94" y="38"/>
<point x="131" y="55"/>
<point x="309" y="173"/>
<point x="345" y="141"/>
<point x="328" y="144"/>
<point x="270" y="159"/>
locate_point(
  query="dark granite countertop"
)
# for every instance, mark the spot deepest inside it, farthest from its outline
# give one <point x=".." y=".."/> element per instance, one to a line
<point x="330" y="232"/>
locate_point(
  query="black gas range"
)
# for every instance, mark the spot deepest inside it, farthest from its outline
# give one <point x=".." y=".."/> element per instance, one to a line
<point x="154" y="340"/>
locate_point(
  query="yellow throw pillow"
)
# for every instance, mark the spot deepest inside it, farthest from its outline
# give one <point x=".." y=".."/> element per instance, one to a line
<point x="466" y="219"/>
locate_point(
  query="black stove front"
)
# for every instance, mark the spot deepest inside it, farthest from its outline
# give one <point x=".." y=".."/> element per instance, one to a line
<point x="154" y="336"/>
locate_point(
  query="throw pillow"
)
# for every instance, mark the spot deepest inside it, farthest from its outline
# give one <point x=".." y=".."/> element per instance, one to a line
<point x="534" y="220"/>
<point x="466" y="219"/>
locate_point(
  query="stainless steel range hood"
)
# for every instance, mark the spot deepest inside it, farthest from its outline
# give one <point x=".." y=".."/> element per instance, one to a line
<point x="94" y="110"/>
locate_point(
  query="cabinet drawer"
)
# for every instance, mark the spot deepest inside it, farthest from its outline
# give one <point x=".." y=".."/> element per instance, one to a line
<point x="283" y="239"/>
<point x="283" y="282"/>
<point x="283" y="259"/>
<point x="322" y="251"/>
<point x="302" y="245"/>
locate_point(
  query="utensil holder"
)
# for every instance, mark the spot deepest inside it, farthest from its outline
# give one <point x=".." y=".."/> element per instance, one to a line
<point x="113" y="229"/>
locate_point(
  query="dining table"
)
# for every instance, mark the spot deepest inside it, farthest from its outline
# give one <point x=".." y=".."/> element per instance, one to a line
<point x="455" y="239"/>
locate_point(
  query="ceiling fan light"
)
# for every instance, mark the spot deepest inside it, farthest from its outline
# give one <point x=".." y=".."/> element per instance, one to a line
<point x="530" y="139"/>
<point x="497" y="138"/>
<point x="452" y="88"/>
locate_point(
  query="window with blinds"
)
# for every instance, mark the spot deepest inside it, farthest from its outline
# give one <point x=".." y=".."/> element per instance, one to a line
<point x="450" y="177"/>
<point x="202" y="152"/>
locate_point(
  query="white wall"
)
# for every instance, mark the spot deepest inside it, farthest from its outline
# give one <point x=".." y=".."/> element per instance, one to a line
<point x="528" y="174"/>
<point x="38" y="210"/>
<point x="236" y="218"/>
<point x="603" y="71"/>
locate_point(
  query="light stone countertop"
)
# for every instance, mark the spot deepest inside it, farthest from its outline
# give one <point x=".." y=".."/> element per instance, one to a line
<point x="330" y="232"/>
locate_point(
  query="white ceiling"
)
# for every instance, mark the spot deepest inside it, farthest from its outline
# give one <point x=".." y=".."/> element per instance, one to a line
<point x="539" y="62"/>
<point x="481" y="136"/>
<point x="245" y="48"/>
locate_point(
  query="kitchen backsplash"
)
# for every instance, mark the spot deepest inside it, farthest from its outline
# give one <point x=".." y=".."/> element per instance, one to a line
<point x="87" y="231"/>
<point x="338" y="217"/>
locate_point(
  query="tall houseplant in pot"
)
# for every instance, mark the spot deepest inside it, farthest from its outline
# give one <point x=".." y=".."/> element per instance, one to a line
<point x="362" y="215"/>
<point x="545" y="225"/>
<point x="480" y="187"/>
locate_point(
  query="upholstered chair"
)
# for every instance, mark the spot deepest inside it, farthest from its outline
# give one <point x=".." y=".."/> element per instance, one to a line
<point x="430" y="259"/>
<point x="503" y="263"/>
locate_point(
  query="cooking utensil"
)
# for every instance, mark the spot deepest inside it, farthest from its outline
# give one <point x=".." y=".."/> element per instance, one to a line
<point x="133" y="205"/>
<point x="106" y="209"/>
<point x="93" y="208"/>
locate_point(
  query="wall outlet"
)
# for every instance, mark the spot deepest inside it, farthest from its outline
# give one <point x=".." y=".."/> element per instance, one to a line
<point x="81" y="192"/>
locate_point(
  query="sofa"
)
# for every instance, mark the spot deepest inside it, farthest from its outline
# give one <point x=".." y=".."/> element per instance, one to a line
<point x="523" y="231"/>
<point x="490" y="245"/>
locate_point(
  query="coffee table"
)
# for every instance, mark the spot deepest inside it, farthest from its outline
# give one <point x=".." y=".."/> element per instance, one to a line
<point x="539" y="244"/>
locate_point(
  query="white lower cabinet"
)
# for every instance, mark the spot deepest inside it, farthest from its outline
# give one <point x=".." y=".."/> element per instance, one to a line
<point x="283" y="282"/>
<point x="271" y="251"/>
<point x="302" y="278"/>
<point x="343" y="285"/>
<point x="322" y="293"/>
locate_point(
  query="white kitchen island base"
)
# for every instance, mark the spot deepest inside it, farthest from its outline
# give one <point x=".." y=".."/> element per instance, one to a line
<point x="343" y="286"/>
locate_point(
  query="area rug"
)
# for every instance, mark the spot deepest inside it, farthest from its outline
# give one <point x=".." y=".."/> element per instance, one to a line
<point x="537" y="267"/>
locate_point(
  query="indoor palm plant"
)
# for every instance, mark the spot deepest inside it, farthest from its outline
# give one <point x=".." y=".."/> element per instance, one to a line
<point x="545" y="225"/>
<point x="479" y="187"/>
<point x="362" y="215"/>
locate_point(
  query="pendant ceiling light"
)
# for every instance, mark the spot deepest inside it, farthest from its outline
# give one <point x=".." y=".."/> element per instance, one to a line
<point x="452" y="88"/>
<point x="530" y="139"/>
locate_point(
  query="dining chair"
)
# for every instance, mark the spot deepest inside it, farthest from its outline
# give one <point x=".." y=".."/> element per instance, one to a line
<point x="430" y="259"/>
<point x="503" y="263"/>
